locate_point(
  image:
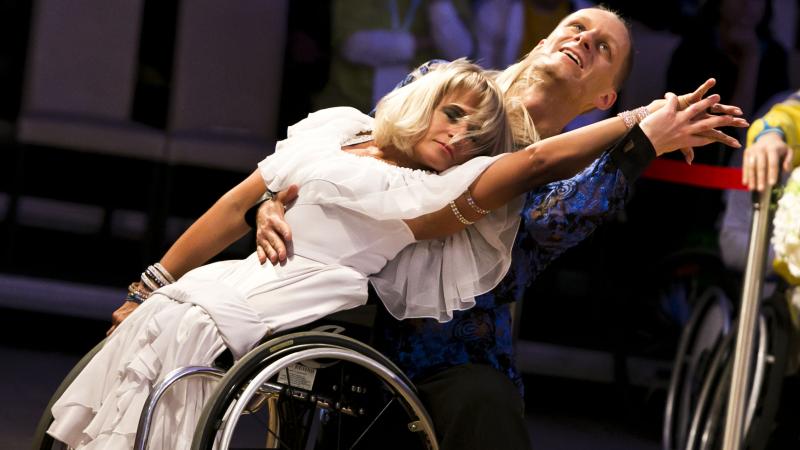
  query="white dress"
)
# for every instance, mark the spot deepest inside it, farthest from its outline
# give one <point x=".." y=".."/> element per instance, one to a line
<point x="348" y="230"/>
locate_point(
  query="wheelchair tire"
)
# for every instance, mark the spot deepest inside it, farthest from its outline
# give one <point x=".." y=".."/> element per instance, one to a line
<point x="769" y="364"/>
<point x="41" y="440"/>
<point x="700" y="340"/>
<point x="325" y="406"/>
<point x="716" y="375"/>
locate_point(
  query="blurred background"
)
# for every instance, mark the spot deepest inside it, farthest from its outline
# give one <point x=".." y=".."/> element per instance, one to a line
<point x="123" y="120"/>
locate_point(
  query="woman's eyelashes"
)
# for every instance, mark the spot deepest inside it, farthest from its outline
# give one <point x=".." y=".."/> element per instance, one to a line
<point x="454" y="113"/>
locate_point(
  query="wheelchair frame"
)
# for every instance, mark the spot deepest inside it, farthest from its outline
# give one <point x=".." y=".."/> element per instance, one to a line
<point x="250" y="377"/>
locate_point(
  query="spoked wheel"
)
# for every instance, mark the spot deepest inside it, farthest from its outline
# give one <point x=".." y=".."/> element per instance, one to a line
<point x="314" y="391"/>
<point x="766" y="381"/>
<point x="695" y="362"/>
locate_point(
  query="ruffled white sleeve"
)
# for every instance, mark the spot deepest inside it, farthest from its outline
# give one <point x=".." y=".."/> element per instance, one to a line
<point x="435" y="277"/>
<point x="320" y="133"/>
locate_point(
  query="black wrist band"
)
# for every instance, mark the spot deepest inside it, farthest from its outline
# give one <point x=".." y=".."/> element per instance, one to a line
<point x="633" y="153"/>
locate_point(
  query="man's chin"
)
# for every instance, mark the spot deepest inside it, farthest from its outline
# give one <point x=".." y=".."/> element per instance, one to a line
<point x="557" y="72"/>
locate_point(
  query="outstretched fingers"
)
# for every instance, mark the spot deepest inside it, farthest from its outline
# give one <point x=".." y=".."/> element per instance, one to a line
<point x="710" y="121"/>
<point x="706" y="125"/>
<point x="720" y="108"/>
<point x="709" y="136"/>
<point x="686" y="100"/>
<point x="702" y="106"/>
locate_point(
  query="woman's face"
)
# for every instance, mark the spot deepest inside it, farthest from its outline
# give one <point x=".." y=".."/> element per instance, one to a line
<point x="442" y="145"/>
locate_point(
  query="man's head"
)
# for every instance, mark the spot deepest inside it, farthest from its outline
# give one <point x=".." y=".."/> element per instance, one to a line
<point x="582" y="64"/>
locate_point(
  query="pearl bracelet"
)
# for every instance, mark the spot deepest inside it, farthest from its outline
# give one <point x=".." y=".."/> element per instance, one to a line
<point x="458" y="214"/>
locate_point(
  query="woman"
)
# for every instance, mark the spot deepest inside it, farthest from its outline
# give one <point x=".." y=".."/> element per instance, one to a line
<point x="353" y="207"/>
<point x="360" y="218"/>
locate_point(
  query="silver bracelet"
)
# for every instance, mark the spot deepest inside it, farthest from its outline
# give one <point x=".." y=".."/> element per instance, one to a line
<point x="458" y="214"/>
<point x="154" y="275"/>
<point x="150" y="284"/>
<point x="164" y="272"/>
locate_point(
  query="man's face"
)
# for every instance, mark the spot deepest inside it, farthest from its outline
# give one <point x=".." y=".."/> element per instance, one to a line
<point x="584" y="54"/>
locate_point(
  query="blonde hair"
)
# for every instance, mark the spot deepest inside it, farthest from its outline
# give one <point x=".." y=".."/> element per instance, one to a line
<point x="403" y="116"/>
<point x="514" y="82"/>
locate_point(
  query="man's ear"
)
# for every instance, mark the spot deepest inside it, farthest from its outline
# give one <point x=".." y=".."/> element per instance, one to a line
<point x="605" y="100"/>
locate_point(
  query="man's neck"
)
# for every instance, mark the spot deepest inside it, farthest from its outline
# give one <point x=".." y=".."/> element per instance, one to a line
<point x="550" y="110"/>
<point x="551" y="114"/>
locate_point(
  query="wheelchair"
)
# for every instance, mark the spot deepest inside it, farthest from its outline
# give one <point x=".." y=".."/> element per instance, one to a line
<point x="316" y="387"/>
<point x="701" y="377"/>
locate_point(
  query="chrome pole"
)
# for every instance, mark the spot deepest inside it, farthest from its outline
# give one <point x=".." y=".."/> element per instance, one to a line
<point x="760" y="231"/>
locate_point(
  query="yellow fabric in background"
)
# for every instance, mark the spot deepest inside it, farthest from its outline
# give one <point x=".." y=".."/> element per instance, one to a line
<point x="539" y="23"/>
<point x="786" y="116"/>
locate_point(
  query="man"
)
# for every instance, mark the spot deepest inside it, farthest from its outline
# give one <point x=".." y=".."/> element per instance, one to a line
<point x="464" y="369"/>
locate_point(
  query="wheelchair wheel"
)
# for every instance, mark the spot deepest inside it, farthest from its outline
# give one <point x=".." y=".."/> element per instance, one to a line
<point x="769" y="363"/>
<point x="701" y="339"/>
<point x="42" y="440"/>
<point x="314" y="390"/>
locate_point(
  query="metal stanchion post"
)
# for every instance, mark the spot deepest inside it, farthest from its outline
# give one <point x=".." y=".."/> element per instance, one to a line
<point x="760" y="231"/>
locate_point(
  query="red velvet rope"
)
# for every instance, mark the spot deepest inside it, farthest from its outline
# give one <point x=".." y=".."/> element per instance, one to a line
<point x="701" y="175"/>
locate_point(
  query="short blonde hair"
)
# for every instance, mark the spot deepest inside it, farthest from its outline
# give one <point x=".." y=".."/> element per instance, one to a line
<point x="403" y="116"/>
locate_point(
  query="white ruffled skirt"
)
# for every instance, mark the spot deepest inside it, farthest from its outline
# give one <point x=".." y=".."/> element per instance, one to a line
<point x="101" y="408"/>
<point x="190" y="323"/>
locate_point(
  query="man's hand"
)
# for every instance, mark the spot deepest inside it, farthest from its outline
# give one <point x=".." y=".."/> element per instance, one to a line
<point x="670" y="129"/>
<point x="686" y="100"/>
<point x="273" y="235"/>
<point x="762" y="159"/>
<point x="121" y="314"/>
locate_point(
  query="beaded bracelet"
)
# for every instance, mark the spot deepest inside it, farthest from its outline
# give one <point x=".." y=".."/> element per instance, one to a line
<point x="475" y="207"/>
<point x="634" y="116"/>
<point x="154" y="276"/>
<point x="458" y="214"/>
<point x="151" y="284"/>
<point x="136" y="295"/>
<point x="132" y="297"/>
<point x="164" y="272"/>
